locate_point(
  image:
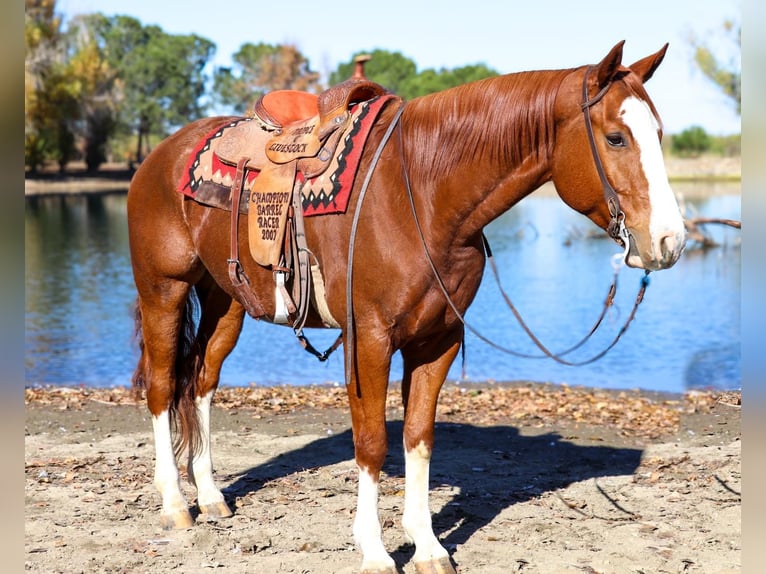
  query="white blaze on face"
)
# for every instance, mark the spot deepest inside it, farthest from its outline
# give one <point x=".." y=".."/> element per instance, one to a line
<point x="666" y="225"/>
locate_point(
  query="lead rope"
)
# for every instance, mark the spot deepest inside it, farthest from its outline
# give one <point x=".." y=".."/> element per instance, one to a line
<point x="461" y="318"/>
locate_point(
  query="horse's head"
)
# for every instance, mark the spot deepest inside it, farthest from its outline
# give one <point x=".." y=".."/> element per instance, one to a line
<point x="607" y="161"/>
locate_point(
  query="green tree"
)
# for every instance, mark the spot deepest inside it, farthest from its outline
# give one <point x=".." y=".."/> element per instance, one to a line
<point x="691" y="142"/>
<point x="429" y="81"/>
<point x="161" y="75"/>
<point x="399" y="74"/>
<point x="260" y="68"/>
<point x="722" y="65"/>
<point x="49" y="101"/>
<point x="97" y="87"/>
<point x="389" y="69"/>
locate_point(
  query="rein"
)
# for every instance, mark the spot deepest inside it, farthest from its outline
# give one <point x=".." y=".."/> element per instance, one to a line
<point x="616" y="230"/>
<point x="557" y="356"/>
<point x="350" y="343"/>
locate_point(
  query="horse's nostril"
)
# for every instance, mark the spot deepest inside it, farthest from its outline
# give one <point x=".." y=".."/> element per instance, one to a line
<point x="669" y="247"/>
<point x="668" y="243"/>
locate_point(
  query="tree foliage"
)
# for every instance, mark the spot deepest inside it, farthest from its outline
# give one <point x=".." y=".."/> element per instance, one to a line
<point x="49" y="98"/>
<point x="429" y="81"/>
<point x="389" y="69"/>
<point x="259" y="68"/>
<point x="98" y="89"/>
<point x="105" y="75"/>
<point x="399" y="74"/>
<point x="691" y="142"/>
<point x="101" y="78"/>
<point x="722" y="65"/>
<point x="161" y="75"/>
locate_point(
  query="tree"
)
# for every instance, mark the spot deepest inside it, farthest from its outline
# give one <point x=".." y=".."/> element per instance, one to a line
<point x="49" y="102"/>
<point x="161" y="75"/>
<point x="399" y="74"/>
<point x="724" y="74"/>
<point x="429" y="81"/>
<point x="691" y="142"/>
<point x="389" y="69"/>
<point x="260" y="68"/>
<point x="97" y="86"/>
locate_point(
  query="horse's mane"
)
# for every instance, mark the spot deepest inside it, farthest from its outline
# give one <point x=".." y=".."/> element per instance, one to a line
<point x="505" y="119"/>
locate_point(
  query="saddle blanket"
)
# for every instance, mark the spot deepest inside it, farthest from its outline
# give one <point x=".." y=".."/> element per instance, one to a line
<point x="207" y="179"/>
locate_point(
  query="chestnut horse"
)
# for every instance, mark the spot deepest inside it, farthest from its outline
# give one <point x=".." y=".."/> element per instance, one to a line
<point x="462" y="157"/>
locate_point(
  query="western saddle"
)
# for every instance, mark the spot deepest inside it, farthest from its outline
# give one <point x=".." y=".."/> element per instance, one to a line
<point x="291" y="132"/>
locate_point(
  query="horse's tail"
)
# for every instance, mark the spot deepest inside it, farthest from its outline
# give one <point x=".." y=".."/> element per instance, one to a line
<point x="189" y="360"/>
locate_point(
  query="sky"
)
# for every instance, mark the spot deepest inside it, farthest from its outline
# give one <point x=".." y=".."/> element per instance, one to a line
<point x="507" y="36"/>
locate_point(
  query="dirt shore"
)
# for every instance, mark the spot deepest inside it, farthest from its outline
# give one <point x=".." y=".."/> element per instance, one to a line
<point x="525" y="478"/>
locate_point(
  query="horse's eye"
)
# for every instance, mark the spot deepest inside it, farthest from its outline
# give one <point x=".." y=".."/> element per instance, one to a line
<point x="615" y="140"/>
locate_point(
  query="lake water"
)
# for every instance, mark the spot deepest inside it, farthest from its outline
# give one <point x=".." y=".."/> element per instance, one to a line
<point x="80" y="292"/>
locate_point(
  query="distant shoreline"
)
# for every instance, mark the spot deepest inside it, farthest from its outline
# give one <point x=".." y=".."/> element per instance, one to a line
<point x="115" y="178"/>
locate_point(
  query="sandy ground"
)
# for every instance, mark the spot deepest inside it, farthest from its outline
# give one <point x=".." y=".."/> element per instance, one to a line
<point x="525" y="478"/>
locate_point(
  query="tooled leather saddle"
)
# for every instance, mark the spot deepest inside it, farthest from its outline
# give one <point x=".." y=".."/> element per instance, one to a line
<point x="291" y="135"/>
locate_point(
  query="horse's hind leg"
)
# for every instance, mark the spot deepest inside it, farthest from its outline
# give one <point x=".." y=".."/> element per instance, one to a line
<point x="163" y="308"/>
<point x="219" y="329"/>
<point x="182" y="385"/>
<point x="425" y="369"/>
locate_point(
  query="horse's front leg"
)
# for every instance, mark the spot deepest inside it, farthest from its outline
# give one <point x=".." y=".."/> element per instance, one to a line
<point x="422" y="381"/>
<point x="367" y="398"/>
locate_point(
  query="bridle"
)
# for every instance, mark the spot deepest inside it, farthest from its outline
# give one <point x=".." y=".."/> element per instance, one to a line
<point x="616" y="228"/>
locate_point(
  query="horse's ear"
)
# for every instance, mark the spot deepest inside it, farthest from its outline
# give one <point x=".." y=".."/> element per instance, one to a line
<point x="608" y="66"/>
<point x="646" y="66"/>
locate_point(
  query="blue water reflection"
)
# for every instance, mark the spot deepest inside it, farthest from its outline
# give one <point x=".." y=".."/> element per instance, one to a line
<point x="79" y="297"/>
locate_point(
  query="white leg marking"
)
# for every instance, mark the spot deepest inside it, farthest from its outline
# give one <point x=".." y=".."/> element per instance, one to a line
<point x="201" y="471"/>
<point x="166" y="478"/>
<point x="417" y="515"/>
<point x="666" y="224"/>
<point x="367" y="531"/>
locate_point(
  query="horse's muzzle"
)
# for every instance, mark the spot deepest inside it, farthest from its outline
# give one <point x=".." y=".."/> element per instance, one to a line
<point x="662" y="253"/>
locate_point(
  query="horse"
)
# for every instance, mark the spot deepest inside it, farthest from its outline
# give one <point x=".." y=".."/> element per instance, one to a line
<point x="438" y="169"/>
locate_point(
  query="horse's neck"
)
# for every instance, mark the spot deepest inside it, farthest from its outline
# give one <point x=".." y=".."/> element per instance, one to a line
<point x="476" y="150"/>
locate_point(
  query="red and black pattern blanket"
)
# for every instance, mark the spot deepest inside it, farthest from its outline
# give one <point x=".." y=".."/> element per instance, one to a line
<point x="208" y="180"/>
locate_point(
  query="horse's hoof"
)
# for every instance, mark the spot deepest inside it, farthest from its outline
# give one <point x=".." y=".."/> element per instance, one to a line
<point x="177" y="521"/>
<point x="440" y="566"/>
<point x="216" y="510"/>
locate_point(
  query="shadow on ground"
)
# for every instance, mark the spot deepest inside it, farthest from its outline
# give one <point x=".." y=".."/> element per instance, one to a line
<point x="493" y="468"/>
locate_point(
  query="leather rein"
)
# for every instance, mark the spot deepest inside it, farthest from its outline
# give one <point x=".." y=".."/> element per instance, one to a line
<point x="615" y="229"/>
